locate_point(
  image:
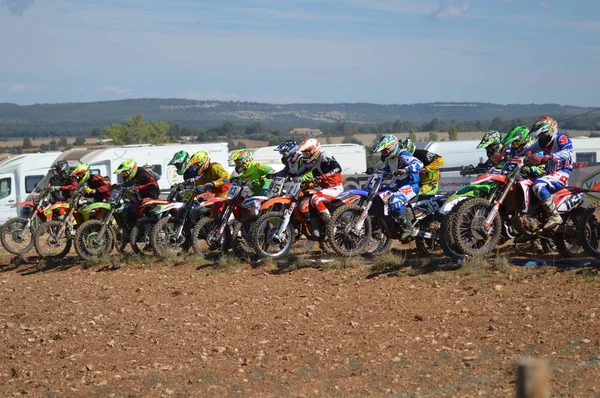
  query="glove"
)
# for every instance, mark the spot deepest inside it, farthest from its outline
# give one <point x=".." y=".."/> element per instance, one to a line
<point x="400" y="172"/>
<point x="208" y="186"/>
<point x="527" y="170"/>
<point x="497" y="157"/>
<point x="422" y="171"/>
<point x="114" y="186"/>
<point x="370" y="171"/>
<point x="55" y="188"/>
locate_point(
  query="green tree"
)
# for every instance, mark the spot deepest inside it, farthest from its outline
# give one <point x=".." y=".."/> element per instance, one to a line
<point x="27" y="142"/>
<point x="433" y="136"/>
<point x="254" y="128"/>
<point x="137" y="131"/>
<point x="452" y="132"/>
<point x="79" y="141"/>
<point x="63" y="142"/>
<point x="412" y="135"/>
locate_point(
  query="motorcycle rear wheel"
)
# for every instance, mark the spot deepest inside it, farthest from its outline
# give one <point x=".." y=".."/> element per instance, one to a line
<point x="589" y="231"/>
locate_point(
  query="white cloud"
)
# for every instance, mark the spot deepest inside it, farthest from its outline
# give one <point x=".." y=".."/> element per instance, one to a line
<point x="16" y="88"/>
<point x="450" y="9"/>
<point x="116" y="90"/>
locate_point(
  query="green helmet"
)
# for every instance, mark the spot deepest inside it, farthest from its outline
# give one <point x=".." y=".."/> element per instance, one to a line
<point x="408" y="145"/>
<point x="82" y="172"/>
<point x="180" y="160"/>
<point x="128" y="168"/>
<point x="518" y="138"/>
<point x="490" y="138"/>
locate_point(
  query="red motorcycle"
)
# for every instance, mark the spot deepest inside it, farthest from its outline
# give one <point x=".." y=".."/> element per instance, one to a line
<point x="477" y="225"/>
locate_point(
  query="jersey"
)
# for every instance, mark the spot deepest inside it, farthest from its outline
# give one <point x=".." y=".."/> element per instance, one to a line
<point x="146" y="183"/>
<point x="256" y="173"/>
<point x="216" y="174"/>
<point x="431" y="164"/>
<point x="409" y="163"/>
<point x="327" y="170"/>
<point x="560" y="151"/>
<point x="66" y="184"/>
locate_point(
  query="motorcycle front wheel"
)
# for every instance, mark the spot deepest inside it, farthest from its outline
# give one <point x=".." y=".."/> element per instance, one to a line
<point x="17" y="239"/>
<point x="342" y="235"/>
<point x="469" y="232"/>
<point x="90" y="244"/>
<point x="265" y="241"/>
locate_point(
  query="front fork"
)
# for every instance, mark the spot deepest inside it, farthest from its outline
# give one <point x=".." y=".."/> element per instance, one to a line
<point x="287" y="215"/>
<point x="363" y="216"/>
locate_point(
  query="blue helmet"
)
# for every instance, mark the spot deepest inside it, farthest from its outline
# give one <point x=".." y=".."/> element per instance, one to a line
<point x="287" y="148"/>
<point x="388" y="146"/>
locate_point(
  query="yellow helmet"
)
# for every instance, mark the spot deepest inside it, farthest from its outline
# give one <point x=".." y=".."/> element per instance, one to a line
<point x="201" y="160"/>
<point x="242" y="158"/>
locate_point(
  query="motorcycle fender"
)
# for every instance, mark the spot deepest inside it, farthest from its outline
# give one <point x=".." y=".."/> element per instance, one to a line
<point x="568" y="203"/>
<point x="250" y="202"/>
<point x="351" y="192"/>
<point x="48" y="210"/>
<point x="490" y="177"/>
<point x="164" y="208"/>
<point x="451" y="203"/>
<point x="281" y="200"/>
<point x="24" y="204"/>
<point x="96" y="206"/>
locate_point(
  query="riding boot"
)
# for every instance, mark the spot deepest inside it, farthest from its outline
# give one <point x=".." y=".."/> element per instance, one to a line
<point x="325" y="216"/>
<point x="550" y="211"/>
<point x="405" y="221"/>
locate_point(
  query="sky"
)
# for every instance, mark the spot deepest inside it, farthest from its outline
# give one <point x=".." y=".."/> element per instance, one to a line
<point x="301" y="51"/>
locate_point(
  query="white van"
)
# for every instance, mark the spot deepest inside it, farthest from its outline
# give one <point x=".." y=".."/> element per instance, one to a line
<point x="351" y="157"/>
<point x="19" y="176"/>
<point x="105" y="161"/>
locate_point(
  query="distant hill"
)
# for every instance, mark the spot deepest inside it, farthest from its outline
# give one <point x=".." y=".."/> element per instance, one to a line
<point x="212" y="112"/>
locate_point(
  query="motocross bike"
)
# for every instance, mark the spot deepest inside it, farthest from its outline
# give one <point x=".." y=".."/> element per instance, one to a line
<point x="141" y="233"/>
<point x="53" y="239"/>
<point x="17" y="233"/>
<point x="97" y="237"/>
<point x="172" y="233"/>
<point x="282" y="223"/>
<point x="477" y="226"/>
<point x="346" y="228"/>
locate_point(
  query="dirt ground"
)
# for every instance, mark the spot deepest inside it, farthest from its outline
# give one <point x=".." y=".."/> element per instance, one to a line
<point x="389" y="326"/>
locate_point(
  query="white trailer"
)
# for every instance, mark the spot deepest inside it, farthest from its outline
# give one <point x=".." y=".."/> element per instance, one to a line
<point x="19" y="176"/>
<point x="351" y="157"/>
<point x="106" y="161"/>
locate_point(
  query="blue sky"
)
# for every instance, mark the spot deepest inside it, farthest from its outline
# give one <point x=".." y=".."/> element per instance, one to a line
<point x="287" y="51"/>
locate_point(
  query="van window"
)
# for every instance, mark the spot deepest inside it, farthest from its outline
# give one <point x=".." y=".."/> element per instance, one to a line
<point x="589" y="157"/>
<point x="94" y="171"/>
<point x="5" y="187"/>
<point x="31" y="182"/>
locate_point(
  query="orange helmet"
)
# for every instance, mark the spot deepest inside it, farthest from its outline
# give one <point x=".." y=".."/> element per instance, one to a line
<point x="310" y="149"/>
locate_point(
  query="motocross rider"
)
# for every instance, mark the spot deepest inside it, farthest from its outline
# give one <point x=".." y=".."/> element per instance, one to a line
<point x="558" y="157"/>
<point x="429" y="176"/>
<point x="492" y="142"/>
<point x="180" y="161"/>
<point x="62" y="183"/>
<point x="211" y="175"/>
<point x="141" y="181"/>
<point x="97" y="187"/>
<point x="516" y="142"/>
<point x="327" y="174"/>
<point x="292" y="161"/>
<point x="406" y="184"/>
<point x="247" y="170"/>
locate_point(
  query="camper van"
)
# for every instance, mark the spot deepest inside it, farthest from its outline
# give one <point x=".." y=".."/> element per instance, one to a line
<point x="19" y="176"/>
<point x="106" y="161"/>
<point x="351" y="157"/>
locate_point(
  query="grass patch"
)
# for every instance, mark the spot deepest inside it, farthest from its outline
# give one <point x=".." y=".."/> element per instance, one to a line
<point x="388" y="263"/>
<point x="226" y="263"/>
<point x="342" y="263"/>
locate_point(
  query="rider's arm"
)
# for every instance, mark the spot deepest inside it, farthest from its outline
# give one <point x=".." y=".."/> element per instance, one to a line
<point x="565" y="148"/>
<point x="220" y="173"/>
<point x="413" y="165"/>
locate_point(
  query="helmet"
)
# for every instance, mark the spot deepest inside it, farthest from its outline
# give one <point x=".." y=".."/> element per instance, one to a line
<point x="242" y="159"/>
<point x="128" y="168"/>
<point x="311" y="149"/>
<point x="180" y="161"/>
<point x="408" y="145"/>
<point x="287" y="148"/>
<point x="544" y="129"/>
<point x="491" y="137"/>
<point x="200" y="160"/>
<point x="60" y="168"/>
<point x="82" y="172"/>
<point x="388" y="146"/>
<point x="518" y="138"/>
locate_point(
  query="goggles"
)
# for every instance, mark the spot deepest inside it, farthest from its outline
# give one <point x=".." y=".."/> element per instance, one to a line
<point x="515" y="144"/>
